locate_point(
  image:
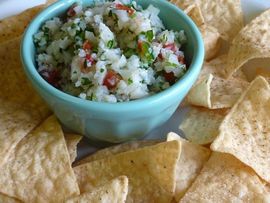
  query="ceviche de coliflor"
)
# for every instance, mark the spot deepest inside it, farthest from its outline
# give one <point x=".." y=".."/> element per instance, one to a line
<point x="111" y="52"/>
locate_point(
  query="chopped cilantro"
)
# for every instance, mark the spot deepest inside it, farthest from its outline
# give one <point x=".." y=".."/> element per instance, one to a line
<point x="149" y="35"/>
<point x="85" y="81"/>
<point x="130" y="81"/>
<point x="111" y="44"/>
<point x="101" y="70"/>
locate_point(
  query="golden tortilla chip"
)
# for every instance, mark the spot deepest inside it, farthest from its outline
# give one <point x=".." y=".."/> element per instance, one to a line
<point x="14" y="26"/>
<point x="201" y="125"/>
<point x="216" y="93"/>
<point x="39" y="169"/>
<point x="225" y="179"/>
<point x="225" y="16"/>
<point x="216" y="67"/>
<point x="251" y="42"/>
<point x="263" y="72"/>
<point x="7" y="199"/>
<point x="16" y="121"/>
<point x="13" y="82"/>
<point x="191" y="161"/>
<point x="113" y="191"/>
<point x="72" y="141"/>
<point x="150" y="170"/>
<point x="245" y="131"/>
<point x="211" y="39"/>
<point x="101" y="154"/>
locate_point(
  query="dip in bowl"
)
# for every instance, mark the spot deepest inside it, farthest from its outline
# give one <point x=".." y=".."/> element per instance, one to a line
<point x="113" y="71"/>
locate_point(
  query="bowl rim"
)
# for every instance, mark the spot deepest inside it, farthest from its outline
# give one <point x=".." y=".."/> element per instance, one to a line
<point x="34" y="76"/>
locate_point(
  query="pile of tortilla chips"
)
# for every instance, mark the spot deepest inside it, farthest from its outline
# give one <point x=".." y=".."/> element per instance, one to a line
<point x="228" y="113"/>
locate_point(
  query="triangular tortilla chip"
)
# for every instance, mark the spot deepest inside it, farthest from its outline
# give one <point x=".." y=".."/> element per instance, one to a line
<point x="216" y="93"/>
<point x="201" y="125"/>
<point x="7" y="199"/>
<point x="211" y="39"/>
<point x="251" y="42"/>
<point x="101" y="154"/>
<point x="245" y="131"/>
<point x="13" y="82"/>
<point x="16" y="121"/>
<point x="113" y="191"/>
<point x="72" y="141"/>
<point x="39" y="168"/>
<point x="14" y="26"/>
<point x="225" y="179"/>
<point x="225" y="16"/>
<point x="150" y="170"/>
<point x="191" y="161"/>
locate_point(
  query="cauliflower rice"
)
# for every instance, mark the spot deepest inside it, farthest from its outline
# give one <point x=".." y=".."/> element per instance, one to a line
<point x="111" y="52"/>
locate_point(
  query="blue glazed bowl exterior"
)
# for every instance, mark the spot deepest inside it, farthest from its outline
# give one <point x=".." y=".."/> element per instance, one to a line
<point x="116" y="122"/>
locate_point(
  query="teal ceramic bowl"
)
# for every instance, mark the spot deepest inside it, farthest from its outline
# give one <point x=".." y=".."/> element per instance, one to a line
<point x="116" y="122"/>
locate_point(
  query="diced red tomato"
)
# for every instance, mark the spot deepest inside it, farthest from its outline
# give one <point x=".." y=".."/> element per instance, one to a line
<point x="89" y="58"/>
<point x="53" y="77"/>
<point x="111" y="79"/>
<point x="87" y="45"/>
<point x="170" y="46"/>
<point x="125" y="8"/>
<point x="71" y="12"/>
<point x="169" y="77"/>
<point x="160" y="56"/>
<point x="140" y="45"/>
<point x="181" y="59"/>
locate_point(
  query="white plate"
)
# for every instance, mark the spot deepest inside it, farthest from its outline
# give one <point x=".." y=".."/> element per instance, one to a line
<point x="251" y="8"/>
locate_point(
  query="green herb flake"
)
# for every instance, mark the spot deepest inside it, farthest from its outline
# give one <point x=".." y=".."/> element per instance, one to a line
<point x="130" y="81"/>
<point x="85" y="81"/>
<point x="102" y="70"/>
<point x="149" y="35"/>
<point x="111" y="44"/>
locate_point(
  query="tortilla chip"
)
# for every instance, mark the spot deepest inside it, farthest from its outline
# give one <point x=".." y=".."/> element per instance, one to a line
<point x="216" y="67"/>
<point x="114" y="191"/>
<point x="200" y="93"/>
<point x="191" y="161"/>
<point x="216" y="93"/>
<point x="225" y="179"/>
<point x="201" y="125"/>
<point x="14" y="26"/>
<point x="225" y="16"/>
<point x="7" y="199"/>
<point x="251" y="42"/>
<point x="150" y="170"/>
<point x="72" y="141"/>
<point x="16" y="121"/>
<point x="101" y="154"/>
<point x="211" y="39"/>
<point x="245" y="131"/>
<point x="263" y="72"/>
<point x="39" y="168"/>
<point x="13" y="82"/>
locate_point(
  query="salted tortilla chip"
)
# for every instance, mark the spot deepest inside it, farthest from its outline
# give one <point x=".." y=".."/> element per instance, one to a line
<point x="72" y="141"/>
<point x="191" y="161"/>
<point x="225" y="179"/>
<point x="101" y="154"/>
<point x="14" y="26"/>
<point x="216" y="67"/>
<point x="201" y="125"/>
<point x="216" y="93"/>
<point x="16" y="121"/>
<point x="150" y="170"/>
<point x="114" y="191"/>
<point x="263" y="72"/>
<point x="211" y="39"/>
<point x="251" y="42"/>
<point x="7" y="199"/>
<point x="39" y="169"/>
<point x="225" y="16"/>
<point x="200" y="94"/>
<point x="13" y="82"/>
<point x="245" y="131"/>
